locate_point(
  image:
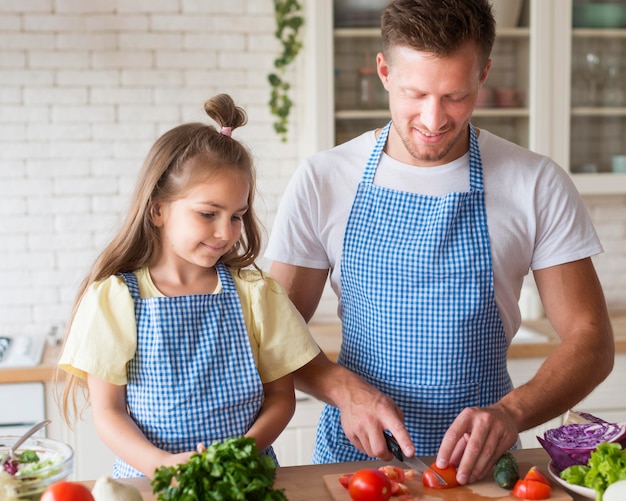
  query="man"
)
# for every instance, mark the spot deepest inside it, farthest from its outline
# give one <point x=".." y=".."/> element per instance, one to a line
<point x="428" y="228"/>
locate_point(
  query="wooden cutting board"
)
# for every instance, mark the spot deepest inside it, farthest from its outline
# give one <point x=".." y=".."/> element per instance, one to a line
<point x="485" y="490"/>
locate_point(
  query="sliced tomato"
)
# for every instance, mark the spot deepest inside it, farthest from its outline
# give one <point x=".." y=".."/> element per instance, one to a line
<point x="393" y="473"/>
<point x="398" y="488"/>
<point x="369" y="485"/>
<point x="449" y="475"/>
<point x="345" y="479"/>
<point x="537" y="475"/>
<point x="531" y="489"/>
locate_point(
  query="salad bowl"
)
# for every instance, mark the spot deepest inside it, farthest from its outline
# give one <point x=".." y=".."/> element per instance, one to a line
<point x="27" y="481"/>
<point x="581" y="490"/>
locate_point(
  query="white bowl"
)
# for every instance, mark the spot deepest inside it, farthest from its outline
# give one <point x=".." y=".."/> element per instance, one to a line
<point x="585" y="492"/>
<point x="30" y="489"/>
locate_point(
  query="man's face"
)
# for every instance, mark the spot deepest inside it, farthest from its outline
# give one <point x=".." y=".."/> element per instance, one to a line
<point x="431" y="101"/>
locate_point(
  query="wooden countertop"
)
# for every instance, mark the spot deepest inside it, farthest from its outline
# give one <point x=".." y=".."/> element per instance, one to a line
<point x="305" y="483"/>
<point x="328" y="336"/>
<point x="44" y="372"/>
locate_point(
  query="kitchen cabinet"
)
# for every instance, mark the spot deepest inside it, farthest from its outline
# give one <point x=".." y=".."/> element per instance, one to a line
<point x="92" y="459"/>
<point x="295" y="444"/>
<point x="565" y="107"/>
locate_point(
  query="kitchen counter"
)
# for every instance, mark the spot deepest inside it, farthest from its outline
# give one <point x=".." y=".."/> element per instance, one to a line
<point x="44" y="372"/>
<point x="305" y="483"/>
<point x="328" y="336"/>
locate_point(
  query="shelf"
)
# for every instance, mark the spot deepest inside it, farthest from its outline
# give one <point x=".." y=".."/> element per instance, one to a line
<point x="356" y="32"/>
<point x="598" y="111"/>
<point x="361" y="114"/>
<point x="478" y="112"/>
<point x="501" y="112"/>
<point x="375" y="33"/>
<point x="598" y="33"/>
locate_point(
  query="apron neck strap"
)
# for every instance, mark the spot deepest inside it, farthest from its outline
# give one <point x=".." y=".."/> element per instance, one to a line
<point x="475" y="161"/>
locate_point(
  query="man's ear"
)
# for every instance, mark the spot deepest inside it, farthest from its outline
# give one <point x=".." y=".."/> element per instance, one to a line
<point x="382" y="67"/>
<point x="485" y="72"/>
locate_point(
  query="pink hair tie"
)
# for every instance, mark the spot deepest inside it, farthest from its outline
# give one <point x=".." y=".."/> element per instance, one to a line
<point x="227" y="131"/>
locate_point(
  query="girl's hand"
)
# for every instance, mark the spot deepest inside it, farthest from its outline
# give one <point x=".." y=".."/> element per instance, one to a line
<point x="176" y="459"/>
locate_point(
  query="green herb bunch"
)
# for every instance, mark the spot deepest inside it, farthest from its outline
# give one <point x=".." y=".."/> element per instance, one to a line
<point x="288" y="24"/>
<point x="226" y="471"/>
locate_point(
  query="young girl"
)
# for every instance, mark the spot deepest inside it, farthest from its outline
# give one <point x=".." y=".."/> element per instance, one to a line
<point x="177" y="343"/>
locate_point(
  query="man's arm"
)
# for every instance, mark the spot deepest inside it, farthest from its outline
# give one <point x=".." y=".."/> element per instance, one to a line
<point x="574" y="303"/>
<point x="365" y="411"/>
<point x="304" y="286"/>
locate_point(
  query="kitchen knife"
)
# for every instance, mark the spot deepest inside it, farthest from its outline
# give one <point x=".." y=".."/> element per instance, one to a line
<point x="414" y="462"/>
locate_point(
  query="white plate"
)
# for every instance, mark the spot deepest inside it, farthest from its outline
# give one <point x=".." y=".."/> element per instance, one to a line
<point x="585" y="492"/>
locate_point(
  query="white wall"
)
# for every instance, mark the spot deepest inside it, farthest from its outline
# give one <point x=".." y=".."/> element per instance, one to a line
<point x="86" y="86"/>
<point x="85" y="89"/>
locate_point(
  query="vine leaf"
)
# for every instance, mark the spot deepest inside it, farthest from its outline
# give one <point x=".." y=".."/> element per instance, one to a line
<point x="289" y="20"/>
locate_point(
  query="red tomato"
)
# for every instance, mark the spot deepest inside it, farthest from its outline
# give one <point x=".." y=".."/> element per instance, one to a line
<point x="537" y="475"/>
<point x="398" y="489"/>
<point x="393" y="473"/>
<point x="67" y="491"/>
<point x="369" y="485"/>
<point x="448" y="474"/>
<point x="531" y="489"/>
<point x="345" y="479"/>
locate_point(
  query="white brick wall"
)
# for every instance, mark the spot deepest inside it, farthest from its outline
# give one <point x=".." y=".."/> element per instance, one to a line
<point x="85" y="89"/>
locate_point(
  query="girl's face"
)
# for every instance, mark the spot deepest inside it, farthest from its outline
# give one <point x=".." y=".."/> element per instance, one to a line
<point x="204" y="224"/>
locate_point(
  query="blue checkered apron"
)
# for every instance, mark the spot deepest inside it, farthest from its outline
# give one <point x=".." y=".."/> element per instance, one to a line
<point x="193" y="378"/>
<point x="419" y="316"/>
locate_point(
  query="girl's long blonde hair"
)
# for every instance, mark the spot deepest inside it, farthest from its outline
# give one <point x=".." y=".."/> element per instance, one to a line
<point x="165" y="176"/>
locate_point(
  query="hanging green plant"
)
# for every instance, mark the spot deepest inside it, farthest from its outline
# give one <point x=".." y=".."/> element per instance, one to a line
<point x="289" y="20"/>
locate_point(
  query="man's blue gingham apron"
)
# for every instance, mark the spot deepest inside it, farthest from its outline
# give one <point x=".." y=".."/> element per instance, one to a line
<point x="193" y="378"/>
<point x="419" y="316"/>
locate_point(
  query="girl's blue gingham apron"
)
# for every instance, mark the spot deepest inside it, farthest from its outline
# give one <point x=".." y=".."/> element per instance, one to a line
<point x="419" y="316"/>
<point x="193" y="378"/>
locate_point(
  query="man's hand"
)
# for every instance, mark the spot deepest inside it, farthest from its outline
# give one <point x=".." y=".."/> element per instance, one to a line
<point x="476" y="440"/>
<point x="365" y="412"/>
<point x="364" y="418"/>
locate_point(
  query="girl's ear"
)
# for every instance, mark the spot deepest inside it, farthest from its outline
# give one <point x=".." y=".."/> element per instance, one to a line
<point x="155" y="214"/>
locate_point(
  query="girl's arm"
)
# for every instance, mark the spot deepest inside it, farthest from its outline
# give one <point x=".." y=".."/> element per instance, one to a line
<point x="119" y="432"/>
<point x="276" y="412"/>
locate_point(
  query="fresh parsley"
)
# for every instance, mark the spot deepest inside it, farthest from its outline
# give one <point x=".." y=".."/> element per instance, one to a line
<point x="231" y="470"/>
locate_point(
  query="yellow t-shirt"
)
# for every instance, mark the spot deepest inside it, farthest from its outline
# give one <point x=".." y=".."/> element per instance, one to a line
<point x="103" y="335"/>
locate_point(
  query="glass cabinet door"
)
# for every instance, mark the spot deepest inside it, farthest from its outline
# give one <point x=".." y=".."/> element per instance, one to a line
<point x="598" y="87"/>
<point x="361" y="101"/>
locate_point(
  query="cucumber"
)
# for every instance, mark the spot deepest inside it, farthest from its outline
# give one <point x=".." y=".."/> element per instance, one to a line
<point x="506" y="471"/>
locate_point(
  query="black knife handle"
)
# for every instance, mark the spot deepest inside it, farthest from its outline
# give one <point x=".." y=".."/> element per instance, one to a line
<point x="393" y="446"/>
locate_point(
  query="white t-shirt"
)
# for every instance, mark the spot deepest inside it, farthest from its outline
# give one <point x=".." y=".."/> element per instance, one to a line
<point x="535" y="216"/>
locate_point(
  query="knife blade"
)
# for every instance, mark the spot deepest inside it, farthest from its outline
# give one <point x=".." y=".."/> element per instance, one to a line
<point x="414" y="462"/>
